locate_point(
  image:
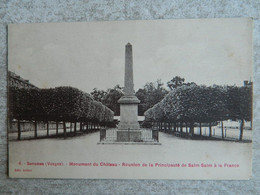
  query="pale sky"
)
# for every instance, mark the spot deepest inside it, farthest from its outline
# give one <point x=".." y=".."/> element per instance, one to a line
<point x="91" y="54"/>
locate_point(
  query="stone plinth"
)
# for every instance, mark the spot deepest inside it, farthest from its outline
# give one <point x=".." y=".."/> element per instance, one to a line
<point x="128" y="113"/>
<point x="129" y="136"/>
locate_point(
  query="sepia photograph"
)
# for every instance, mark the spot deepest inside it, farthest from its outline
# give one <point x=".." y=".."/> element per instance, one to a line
<point x="141" y="99"/>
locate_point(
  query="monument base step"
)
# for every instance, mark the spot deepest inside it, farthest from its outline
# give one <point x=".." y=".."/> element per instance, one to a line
<point x="131" y="143"/>
<point x="138" y="137"/>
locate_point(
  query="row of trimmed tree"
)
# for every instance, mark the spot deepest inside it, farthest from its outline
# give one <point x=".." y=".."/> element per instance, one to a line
<point x="60" y="104"/>
<point x="193" y="105"/>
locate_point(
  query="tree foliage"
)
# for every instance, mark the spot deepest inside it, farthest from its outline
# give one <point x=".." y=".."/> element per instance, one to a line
<point x="109" y="98"/>
<point x="151" y="94"/>
<point x="239" y="101"/>
<point x="195" y="103"/>
<point x="98" y="95"/>
<point x="56" y="104"/>
<point x="176" y="82"/>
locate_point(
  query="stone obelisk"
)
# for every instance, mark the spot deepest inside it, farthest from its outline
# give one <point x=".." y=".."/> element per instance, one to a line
<point x="128" y="128"/>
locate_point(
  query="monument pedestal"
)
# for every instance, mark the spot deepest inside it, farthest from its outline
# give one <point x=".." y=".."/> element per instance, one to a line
<point x="128" y="113"/>
<point x="129" y="128"/>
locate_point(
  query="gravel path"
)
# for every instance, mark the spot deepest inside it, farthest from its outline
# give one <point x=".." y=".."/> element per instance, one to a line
<point x="58" y="156"/>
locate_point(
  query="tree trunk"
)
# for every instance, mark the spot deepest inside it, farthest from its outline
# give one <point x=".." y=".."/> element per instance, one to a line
<point x="210" y="130"/>
<point x="35" y="129"/>
<point x="222" y="129"/>
<point x="241" y="129"/>
<point x="75" y="127"/>
<point x="174" y="127"/>
<point x="64" y="127"/>
<point x="163" y="127"/>
<point x="181" y="130"/>
<point x="19" y="130"/>
<point x="186" y="127"/>
<point x="80" y="126"/>
<point x="57" y="128"/>
<point x="200" y="129"/>
<point x="192" y="128"/>
<point x="47" y="129"/>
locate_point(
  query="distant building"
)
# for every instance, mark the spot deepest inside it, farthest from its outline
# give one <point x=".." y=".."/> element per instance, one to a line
<point x="15" y="80"/>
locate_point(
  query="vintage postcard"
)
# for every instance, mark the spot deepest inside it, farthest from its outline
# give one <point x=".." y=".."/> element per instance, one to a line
<point x="158" y="99"/>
